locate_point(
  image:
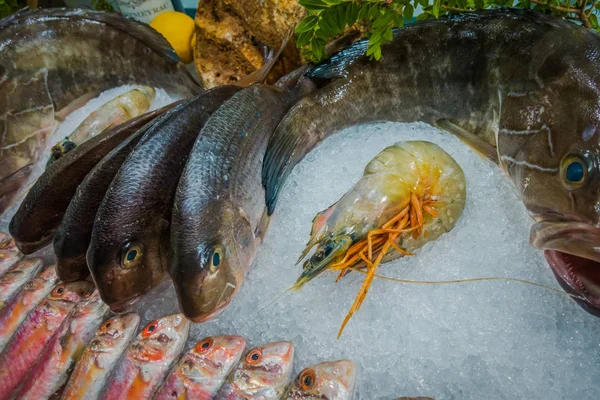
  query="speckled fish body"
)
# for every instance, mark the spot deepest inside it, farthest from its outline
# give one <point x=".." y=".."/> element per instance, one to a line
<point x="32" y="336"/>
<point x="51" y="57"/>
<point x="9" y="254"/>
<point x="218" y="223"/>
<point x="100" y="357"/>
<point x="39" y="215"/>
<point x="202" y="371"/>
<point x="72" y="237"/>
<point x="334" y="380"/>
<point x="19" y="307"/>
<point x="17" y="276"/>
<point x="506" y="82"/>
<point x="148" y="359"/>
<point x="52" y="370"/>
<point x="130" y="238"/>
<point x="264" y="374"/>
<point x="117" y="111"/>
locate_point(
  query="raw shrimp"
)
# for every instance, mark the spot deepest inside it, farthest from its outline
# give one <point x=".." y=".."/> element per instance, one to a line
<point x="410" y="194"/>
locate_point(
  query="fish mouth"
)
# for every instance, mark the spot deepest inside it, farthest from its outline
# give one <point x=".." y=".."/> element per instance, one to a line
<point x="572" y="250"/>
<point x="32" y="247"/>
<point x="124" y="305"/>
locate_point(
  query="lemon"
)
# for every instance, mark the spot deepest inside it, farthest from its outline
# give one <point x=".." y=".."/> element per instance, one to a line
<point x="178" y="29"/>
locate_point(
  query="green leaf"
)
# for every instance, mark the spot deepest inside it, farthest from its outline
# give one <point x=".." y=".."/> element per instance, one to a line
<point x="480" y="4"/>
<point x="374" y="12"/>
<point x="408" y="12"/>
<point x="307" y="24"/>
<point x="423" y="16"/>
<point x="423" y="3"/>
<point x="313" y="5"/>
<point x="436" y="8"/>
<point x="593" y="21"/>
<point x="304" y="38"/>
<point x="389" y="34"/>
<point x="363" y="12"/>
<point x="598" y="6"/>
<point x="351" y="14"/>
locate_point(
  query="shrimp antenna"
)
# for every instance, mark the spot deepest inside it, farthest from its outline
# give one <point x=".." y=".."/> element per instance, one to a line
<point x="275" y="300"/>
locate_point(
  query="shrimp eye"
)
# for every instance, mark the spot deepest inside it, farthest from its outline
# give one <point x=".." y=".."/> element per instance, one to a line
<point x="59" y="290"/>
<point x="106" y="325"/>
<point x="254" y="356"/>
<point x="307" y="379"/>
<point x="132" y="256"/>
<point x="204" y="345"/>
<point x="216" y="259"/>
<point x="150" y="328"/>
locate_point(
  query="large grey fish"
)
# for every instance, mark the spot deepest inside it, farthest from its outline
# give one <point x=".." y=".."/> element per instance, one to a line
<point x="520" y="87"/>
<point x="219" y="209"/>
<point x="72" y="237"/>
<point x="52" y="58"/>
<point x="35" y="222"/>
<point x="130" y="239"/>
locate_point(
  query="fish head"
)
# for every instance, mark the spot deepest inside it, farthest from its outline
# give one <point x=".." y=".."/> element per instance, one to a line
<point x="161" y="340"/>
<point x="125" y="269"/>
<point x="45" y="277"/>
<point x="213" y="358"/>
<point x="30" y="238"/>
<point x="71" y="292"/>
<point x="266" y="369"/>
<point x="115" y="333"/>
<point x="327" y="380"/>
<point x="209" y="272"/>
<point x="549" y="145"/>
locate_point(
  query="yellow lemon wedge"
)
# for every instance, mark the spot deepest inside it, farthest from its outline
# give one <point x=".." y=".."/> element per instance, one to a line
<point x="178" y="29"/>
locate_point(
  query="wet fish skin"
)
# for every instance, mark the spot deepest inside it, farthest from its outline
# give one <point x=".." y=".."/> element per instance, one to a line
<point x="148" y="359"/>
<point x="73" y="235"/>
<point x="18" y="308"/>
<point x="264" y="374"/>
<point x="51" y="372"/>
<point x="201" y="371"/>
<point x="334" y="380"/>
<point x="116" y="111"/>
<point x="35" y="222"/>
<point x="133" y="218"/>
<point x="9" y="254"/>
<point x="101" y="355"/>
<point x="504" y="81"/>
<point x="30" y="339"/>
<point x="17" y="276"/>
<point x="218" y="213"/>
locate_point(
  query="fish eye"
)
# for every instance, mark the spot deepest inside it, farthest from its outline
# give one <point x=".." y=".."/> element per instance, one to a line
<point x="254" y="356"/>
<point x="106" y="325"/>
<point x="204" y="345"/>
<point x="216" y="259"/>
<point x="150" y="328"/>
<point x="307" y="379"/>
<point x="574" y="170"/>
<point x="59" y="290"/>
<point x="132" y="255"/>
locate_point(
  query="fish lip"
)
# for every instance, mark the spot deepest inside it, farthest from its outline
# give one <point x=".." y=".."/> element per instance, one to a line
<point x="32" y="247"/>
<point x="208" y="316"/>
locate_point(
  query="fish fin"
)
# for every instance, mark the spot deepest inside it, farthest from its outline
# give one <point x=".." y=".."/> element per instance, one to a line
<point x="478" y="144"/>
<point x="260" y="74"/>
<point x="335" y="66"/>
<point x="261" y="229"/>
<point x="75" y="104"/>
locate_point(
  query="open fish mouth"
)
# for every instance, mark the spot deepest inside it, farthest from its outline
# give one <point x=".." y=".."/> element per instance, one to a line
<point x="572" y="250"/>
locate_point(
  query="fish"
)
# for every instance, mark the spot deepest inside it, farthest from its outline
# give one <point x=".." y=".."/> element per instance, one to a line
<point x="9" y="254"/>
<point x="101" y="355"/>
<point x="264" y="374"/>
<point x="34" y="224"/>
<point x="33" y="335"/>
<point x="148" y="359"/>
<point x="218" y="215"/>
<point x="51" y="59"/>
<point x="334" y="380"/>
<point x="130" y="238"/>
<point x="65" y="348"/>
<point x="72" y="237"/>
<point x="16" y="277"/>
<point x="505" y="82"/>
<point x="116" y="111"/>
<point x="18" y="308"/>
<point x="203" y="370"/>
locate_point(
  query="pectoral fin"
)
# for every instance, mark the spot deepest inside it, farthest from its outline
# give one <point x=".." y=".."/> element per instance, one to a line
<point x="479" y="145"/>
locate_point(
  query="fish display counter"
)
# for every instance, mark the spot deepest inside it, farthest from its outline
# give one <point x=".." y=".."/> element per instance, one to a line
<point x="441" y="202"/>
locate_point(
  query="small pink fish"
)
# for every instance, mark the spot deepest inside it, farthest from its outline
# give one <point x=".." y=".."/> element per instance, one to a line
<point x="17" y="309"/>
<point x="9" y="254"/>
<point x="17" y="276"/>
<point x="99" y="358"/>
<point x="334" y="380"/>
<point x="30" y="339"/>
<point x="202" y="370"/>
<point x="148" y="359"/>
<point x="264" y="374"/>
<point x="52" y="370"/>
